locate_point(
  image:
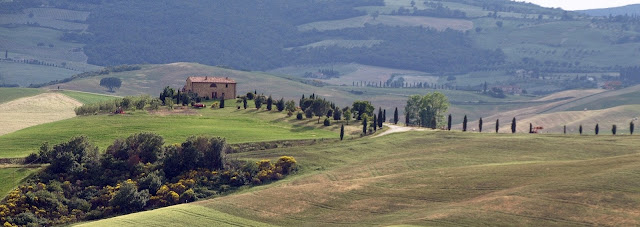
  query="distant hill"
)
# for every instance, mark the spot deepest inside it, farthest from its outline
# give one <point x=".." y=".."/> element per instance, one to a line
<point x="616" y="11"/>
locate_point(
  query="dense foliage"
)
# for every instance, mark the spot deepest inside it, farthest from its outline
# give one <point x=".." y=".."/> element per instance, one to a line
<point x="134" y="174"/>
<point x="427" y="110"/>
<point x="126" y="32"/>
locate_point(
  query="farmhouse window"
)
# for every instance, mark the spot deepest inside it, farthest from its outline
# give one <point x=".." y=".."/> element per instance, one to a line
<point x="226" y="85"/>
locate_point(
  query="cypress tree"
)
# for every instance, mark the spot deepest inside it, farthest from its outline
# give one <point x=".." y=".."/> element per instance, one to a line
<point x="497" y="125"/>
<point x="406" y="120"/>
<point x="530" y="128"/>
<point x="380" y="118"/>
<point x="341" y="132"/>
<point x="244" y="103"/>
<point x="178" y="98"/>
<point x="375" y="123"/>
<point x="255" y="92"/>
<point x="301" y="100"/>
<point x="364" y="126"/>
<point x="614" y="129"/>
<point x="222" y="102"/>
<point x="384" y="115"/>
<point x="513" y="125"/>
<point x="449" y="123"/>
<point x="631" y="127"/>
<point x="580" y="129"/>
<point x="565" y="129"/>
<point x="597" y="129"/>
<point x="395" y="116"/>
<point x="464" y="124"/>
<point x="480" y="125"/>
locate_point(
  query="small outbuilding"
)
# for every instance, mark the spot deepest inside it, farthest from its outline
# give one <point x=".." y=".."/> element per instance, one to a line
<point x="211" y="87"/>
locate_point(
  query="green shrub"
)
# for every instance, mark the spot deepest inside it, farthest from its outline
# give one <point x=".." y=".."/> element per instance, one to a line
<point x="327" y="122"/>
<point x="299" y="116"/>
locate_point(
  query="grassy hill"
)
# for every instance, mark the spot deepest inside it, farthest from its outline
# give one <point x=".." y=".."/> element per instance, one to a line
<point x="237" y="126"/>
<point x="615" y="11"/>
<point x="437" y="178"/>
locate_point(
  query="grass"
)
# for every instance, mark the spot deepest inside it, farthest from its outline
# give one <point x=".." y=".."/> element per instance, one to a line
<point x="10" y="177"/>
<point x="357" y="22"/>
<point x="26" y="74"/>
<point x="8" y="94"/>
<point x="237" y="126"/>
<point x="191" y="215"/>
<point x="87" y="98"/>
<point x="441" y="178"/>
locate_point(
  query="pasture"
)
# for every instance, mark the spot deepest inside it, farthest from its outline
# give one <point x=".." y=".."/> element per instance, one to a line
<point x="237" y="126"/>
<point x="438" y="178"/>
<point x="8" y="94"/>
<point x="87" y="98"/>
<point x="26" y="74"/>
<point x="356" y="22"/>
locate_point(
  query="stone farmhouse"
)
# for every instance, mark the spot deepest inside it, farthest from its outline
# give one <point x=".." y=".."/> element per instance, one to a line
<point x="211" y="87"/>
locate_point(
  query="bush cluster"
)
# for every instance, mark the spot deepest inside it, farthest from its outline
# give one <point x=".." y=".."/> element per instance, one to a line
<point x="134" y="174"/>
<point x="126" y="103"/>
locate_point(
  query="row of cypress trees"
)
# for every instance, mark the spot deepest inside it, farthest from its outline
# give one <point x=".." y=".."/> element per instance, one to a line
<point x="614" y="128"/>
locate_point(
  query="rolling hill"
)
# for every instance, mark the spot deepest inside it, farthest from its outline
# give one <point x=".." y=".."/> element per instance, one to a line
<point x="615" y="11"/>
<point x="437" y="178"/>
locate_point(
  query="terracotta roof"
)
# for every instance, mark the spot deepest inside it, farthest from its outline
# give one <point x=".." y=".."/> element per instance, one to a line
<point x="210" y="79"/>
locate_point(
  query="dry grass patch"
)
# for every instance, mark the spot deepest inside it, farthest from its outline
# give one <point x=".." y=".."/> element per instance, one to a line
<point x="35" y="110"/>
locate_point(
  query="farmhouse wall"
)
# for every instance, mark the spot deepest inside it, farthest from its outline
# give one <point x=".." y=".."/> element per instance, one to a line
<point x="212" y="89"/>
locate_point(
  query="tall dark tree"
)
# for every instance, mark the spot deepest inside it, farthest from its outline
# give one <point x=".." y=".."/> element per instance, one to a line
<point x="614" y="129"/>
<point x="464" y="124"/>
<point x="497" y="125"/>
<point x="384" y="115"/>
<point x="513" y="125"/>
<point x="580" y="129"/>
<point x="269" y="103"/>
<point x="111" y="82"/>
<point x="597" y="129"/>
<point x="406" y="119"/>
<point x="375" y="123"/>
<point x="395" y="116"/>
<point x="480" y="125"/>
<point x="222" y="102"/>
<point x="301" y="101"/>
<point x="178" y="97"/>
<point x="449" y="123"/>
<point x="379" y="122"/>
<point x="341" y="132"/>
<point x="530" y="128"/>
<point x="244" y="103"/>
<point x="565" y="130"/>
<point x="631" y="127"/>
<point x="364" y="126"/>
<point x="6" y="54"/>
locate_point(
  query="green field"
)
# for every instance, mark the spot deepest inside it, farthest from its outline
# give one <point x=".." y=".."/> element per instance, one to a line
<point x="189" y="214"/>
<point x="437" y="178"/>
<point x="8" y="94"/>
<point x="87" y="98"/>
<point x="26" y="74"/>
<point x="237" y="126"/>
<point x="10" y="177"/>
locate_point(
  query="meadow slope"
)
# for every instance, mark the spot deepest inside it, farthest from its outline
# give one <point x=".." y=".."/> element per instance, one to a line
<point x="436" y="178"/>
